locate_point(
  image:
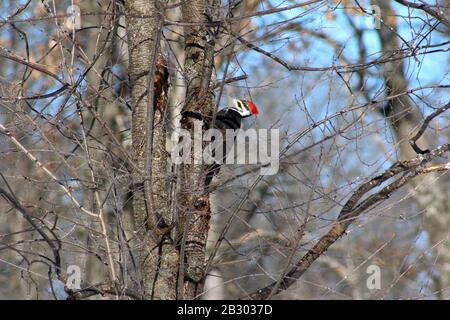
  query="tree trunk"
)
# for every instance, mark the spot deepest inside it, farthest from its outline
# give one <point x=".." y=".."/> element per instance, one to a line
<point x="195" y="214"/>
<point x="158" y="256"/>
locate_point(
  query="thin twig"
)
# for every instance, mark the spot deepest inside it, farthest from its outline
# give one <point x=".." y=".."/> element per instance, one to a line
<point x="424" y="126"/>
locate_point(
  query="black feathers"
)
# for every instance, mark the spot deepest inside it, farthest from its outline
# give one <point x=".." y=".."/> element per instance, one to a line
<point x="225" y="119"/>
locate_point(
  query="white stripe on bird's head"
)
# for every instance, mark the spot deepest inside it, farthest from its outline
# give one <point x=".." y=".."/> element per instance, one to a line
<point x="241" y="106"/>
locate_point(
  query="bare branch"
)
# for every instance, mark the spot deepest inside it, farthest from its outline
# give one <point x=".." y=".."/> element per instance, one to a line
<point x="353" y="209"/>
<point x="427" y="8"/>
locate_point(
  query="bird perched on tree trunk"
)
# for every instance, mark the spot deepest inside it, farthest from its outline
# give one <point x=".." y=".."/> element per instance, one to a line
<point x="228" y="118"/>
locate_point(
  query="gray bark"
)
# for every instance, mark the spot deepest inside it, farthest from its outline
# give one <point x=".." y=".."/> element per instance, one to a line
<point x="158" y="258"/>
<point x="195" y="215"/>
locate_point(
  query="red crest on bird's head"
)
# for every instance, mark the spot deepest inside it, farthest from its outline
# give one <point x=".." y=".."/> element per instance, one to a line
<point x="253" y="108"/>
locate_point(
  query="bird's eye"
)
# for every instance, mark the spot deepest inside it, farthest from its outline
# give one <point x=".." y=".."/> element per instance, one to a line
<point x="240" y="105"/>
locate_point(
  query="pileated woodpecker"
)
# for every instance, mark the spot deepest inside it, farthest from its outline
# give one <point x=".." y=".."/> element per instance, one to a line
<point x="228" y="118"/>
